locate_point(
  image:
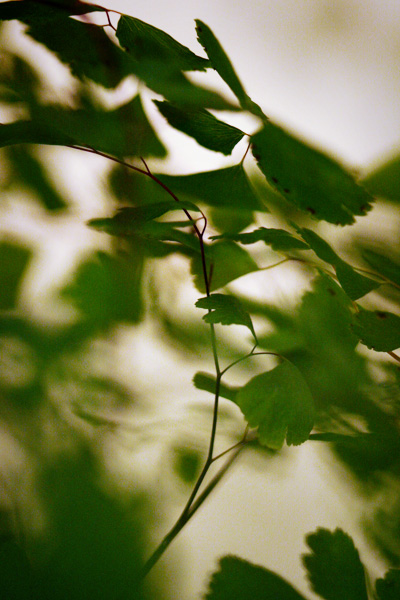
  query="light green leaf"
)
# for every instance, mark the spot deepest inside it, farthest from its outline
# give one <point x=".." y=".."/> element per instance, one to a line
<point x="280" y="404"/>
<point x="307" y="177"/>
<point x="354" y="284"/>
<point x="221" y="63"/>
<point x="200" y="124"/>
<point x="145" y="42"/>
<point x="388" y="588"/>
<point x="379" y="330"/>
<point x="334" y="567"/>
<point x="228" y="187"/>
<point x="384" y="181"/>
<point x="226" y="310"/>
<point x="207" y="383"/>
<point x="279" y="239"/>
<point x="226" y="261"/>
<point x="238" y="579"/>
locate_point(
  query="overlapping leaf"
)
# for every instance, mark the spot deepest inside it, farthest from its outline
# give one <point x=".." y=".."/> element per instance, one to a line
<point x="226" y="188"/>
<point x="241" y="580"/>
<point x="226" y="261"/>
<point x="279" y="239"/>
<point x="221" y="63"/>
<point x="307" y="177"/>
<point x="280" y="404"/>
<point x="354" y="284"/>
<point x="200" y="124"/>
<point x="334" y="567"/>
<point x="379" y="330"/>
<point x="226" y="310"/>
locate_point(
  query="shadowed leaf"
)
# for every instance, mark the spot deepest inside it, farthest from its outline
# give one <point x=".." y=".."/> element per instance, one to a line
<point x="388" y="588"/>
<point x="30" y="11"/>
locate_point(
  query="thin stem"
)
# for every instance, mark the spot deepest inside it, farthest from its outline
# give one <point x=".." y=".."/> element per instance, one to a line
<point x="240" y="443"/>
<point x="393" y="355"/>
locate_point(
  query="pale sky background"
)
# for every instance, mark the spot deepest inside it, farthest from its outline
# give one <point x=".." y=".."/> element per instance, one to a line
<point x="329" y="70"/>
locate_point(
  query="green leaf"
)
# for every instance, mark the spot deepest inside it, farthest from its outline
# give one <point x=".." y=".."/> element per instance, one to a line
<point x="379" y="330"/>
<point x="238" y="579"/>
<point x="226" y="310"/>
<point x="14" y="260"/>
<point x="200" y="124"/>
<point x="207" y="383"/>
<point x="32" y="10"/>
<point x="226" y="261"/>
<point x="187" y="463"/>
<point x="388" y="588"/>
<point x="145" y="42"/>
<point x="384" y="181"/>
<point x="384" y="265"/>
<point x="354" y="284"/>
<point x="307" y="177"/>
<point x="221" y="63"/>
<point x="15" y="573"/>
<point x="334" y="567"/>
<point x="124" y="131"/>
<point x="279" y="239"/>
<point x="228" y="187"/>
<point x="92" y="55"/>
<point x="280" y="404"/>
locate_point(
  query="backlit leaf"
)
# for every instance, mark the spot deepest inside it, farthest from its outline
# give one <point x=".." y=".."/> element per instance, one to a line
<point x="334" y="567"/>
<point x="207" y="383"/>
<point x="388" y="588"/>
<point x="226" y="261"/>
<point x="238" y="579"/>
<point x="280" y="404"/>
<point x="228" y="187"/>
<point x="226" y="310"/>
<point x="379" y="330"/>
<point x="200" y="124"/>
<point x="221" y="63"/>
<point x="354" y="284"/>
<point x="307" y="177"/>
<point x="279" y="239"/>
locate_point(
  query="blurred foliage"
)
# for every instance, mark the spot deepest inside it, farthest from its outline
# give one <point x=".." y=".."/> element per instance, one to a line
<point x="74" y="530"/>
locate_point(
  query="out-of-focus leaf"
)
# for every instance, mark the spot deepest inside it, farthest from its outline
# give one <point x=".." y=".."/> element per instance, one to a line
<point x="280" y="404"/>
<point x="307" y="177"/>
<point x="13" y="263"/>
<point x="30" y="11"/>
<point x="279" y="239"/>
<point x="334" y="567"/>
<point x="124" y="131"/>
<point x="384" y="181"/>
<point x="354" y="284"/>
<point x="92" y="55"/>
<point x="388" y="588"/>
<point x="27" y="171"/>
<point x="15" y="574"/>
<point x="241" y="580"/>
<point x="383" y="265"/>
<point x="379" y="330"/>
<point x="106" y="289"/>
<point x="227" y="262"/>
<point x="207" y="383"/>
<point x="226" y="310"/>
<point x="145" y="42"/>
<point x="187" y="463"/>
<point x="207" y="130"/>
<point x="228" y="187"/>
<point x="221" y="63"/>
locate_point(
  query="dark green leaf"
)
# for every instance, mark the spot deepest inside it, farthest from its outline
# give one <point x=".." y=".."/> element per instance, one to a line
<point x="226" y="261"/>
<point x="340" y="438"/>
<point x="13" y="263"/>
<point x="384" y="265"/>
<point x="379" y="330"/>
<point x="388" y="588"/>
<point x="221" y="63"/>
<point x="92" y="54"/>
<point x="228" y="187"/>
<point x="207" y="383"/>
<point x="15" y="575"/>
<point x="30" y="11"/>
<point x="238" y="579"/>
<point x="200" y="124"/>
<point x="279" y="239"/>
<point x="280" y="404"/>
<point x="187" y="463"/>
<point x="145" y="42"/>
<point x="384" y="181"/>
<point x="307" y="177"/>
<point x="334" y="567"/>
<point x="354" y="284"/>
<point x="226" y="310"/>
